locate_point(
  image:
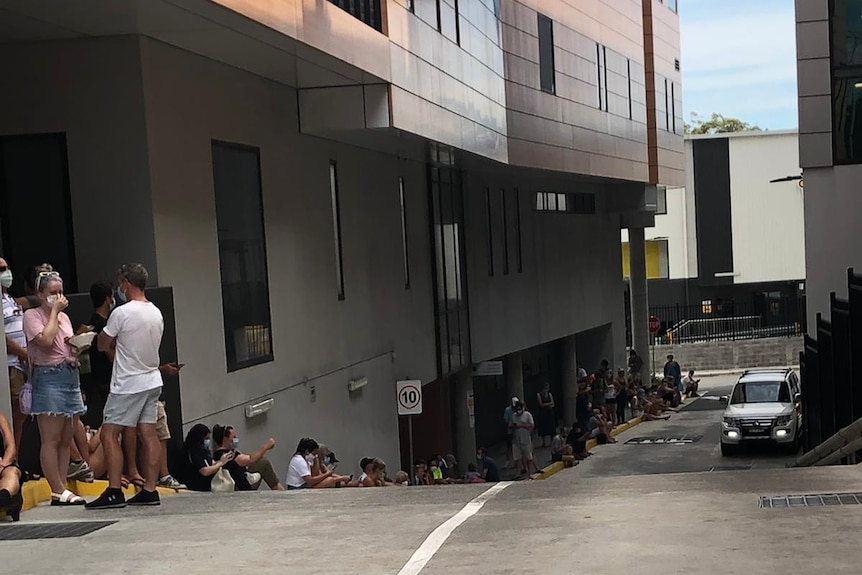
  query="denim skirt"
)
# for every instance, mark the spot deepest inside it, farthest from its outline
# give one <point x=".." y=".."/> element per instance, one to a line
<point x="57" y="390"/>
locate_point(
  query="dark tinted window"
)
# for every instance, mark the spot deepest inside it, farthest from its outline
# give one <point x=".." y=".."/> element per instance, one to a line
<point x="546" y="54"/>
<point x="760" y="392"/>
<point x="242" y="255"/>
<point x="846" y="30"/>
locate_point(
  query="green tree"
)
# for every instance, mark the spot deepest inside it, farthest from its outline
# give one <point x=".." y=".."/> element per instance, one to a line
<point x="717" y="124"/>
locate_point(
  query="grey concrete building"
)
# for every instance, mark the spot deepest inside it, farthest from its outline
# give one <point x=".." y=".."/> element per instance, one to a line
<point x="345" y="192"/>
<point x="829" y="50"/>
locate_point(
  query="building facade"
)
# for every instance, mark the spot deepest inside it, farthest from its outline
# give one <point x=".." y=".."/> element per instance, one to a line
<point x="830" y="134"/>
<point x="732" y="241"/>
<point x="346" y="194"/>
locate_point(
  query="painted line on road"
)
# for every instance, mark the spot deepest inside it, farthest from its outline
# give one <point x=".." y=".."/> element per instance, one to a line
<point x="438" y="537"/>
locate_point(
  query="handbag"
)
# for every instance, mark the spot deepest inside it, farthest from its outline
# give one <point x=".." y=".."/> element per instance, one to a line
<point x="222" y="482"/>
<point x="25" y="399"/>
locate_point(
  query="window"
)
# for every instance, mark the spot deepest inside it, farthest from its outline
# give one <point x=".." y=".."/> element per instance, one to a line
<point x="457" y="22"/>
<point x="602" y="72"/>
<point x="450" y="282"/>
<point x="505" y="221"/>
<point x="666" y="107"/>
<point x="35" y="207"/>
<point x="367" y="11"/>
<point x="404" y="245"/>
<point x="599" y="75"/>
<point x="672" y="4"/>
<point x="520" y="252"/>
<point x="571" y="203"/>
<point x="242" y="255"/>
<point x="706" y="306"/>
<point x="490" y="231"/>
<point x="673" y="107"/>
<point x="439" y="17"/>
<point x="546" y="54"/>
<point x="336" y="227"/>
<point x="411" y="5"/>
<point x="629" y="83"/>
<point x="846" y="33"/>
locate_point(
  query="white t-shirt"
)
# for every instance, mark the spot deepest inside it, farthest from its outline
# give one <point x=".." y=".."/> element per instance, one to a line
<point x="13" y="323"/>
<point x="297" y="469"/>
<point x="138" y="327"/>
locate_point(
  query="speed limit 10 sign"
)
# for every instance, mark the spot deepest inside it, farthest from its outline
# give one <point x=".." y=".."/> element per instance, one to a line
<point x="409" y="397"/>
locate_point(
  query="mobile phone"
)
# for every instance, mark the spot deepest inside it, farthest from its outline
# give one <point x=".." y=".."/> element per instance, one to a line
<point x="180" y="365"/>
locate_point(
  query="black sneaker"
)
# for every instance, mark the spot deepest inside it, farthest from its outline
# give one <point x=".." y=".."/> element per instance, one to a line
<point x="111" y="498"/>
<point x="145" y="497"/>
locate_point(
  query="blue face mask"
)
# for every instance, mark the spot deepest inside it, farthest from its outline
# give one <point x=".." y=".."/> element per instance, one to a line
<point x="208" y="443"/>
<point x="235" y="442"/>
<point x="121" y="296"/>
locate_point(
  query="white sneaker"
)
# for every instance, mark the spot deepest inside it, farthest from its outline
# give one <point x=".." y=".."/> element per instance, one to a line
<point x="171" y="483"/>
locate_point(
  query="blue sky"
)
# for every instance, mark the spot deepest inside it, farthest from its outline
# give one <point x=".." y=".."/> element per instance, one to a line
<point x="739" y="59"/>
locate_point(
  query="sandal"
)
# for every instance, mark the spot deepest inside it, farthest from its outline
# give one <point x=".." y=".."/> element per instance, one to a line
<point x="66" y="498"/>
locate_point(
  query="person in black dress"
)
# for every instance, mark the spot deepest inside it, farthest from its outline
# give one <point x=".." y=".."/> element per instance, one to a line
<point x="546" y="421"/>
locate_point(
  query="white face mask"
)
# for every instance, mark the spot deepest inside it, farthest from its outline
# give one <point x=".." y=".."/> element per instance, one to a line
<point x="310" y="458"/>
<point x="52" y="299"/>
<point x="6" y="279"/>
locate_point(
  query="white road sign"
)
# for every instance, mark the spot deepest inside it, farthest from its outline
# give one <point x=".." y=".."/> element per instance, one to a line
<point x="409" y="397"/>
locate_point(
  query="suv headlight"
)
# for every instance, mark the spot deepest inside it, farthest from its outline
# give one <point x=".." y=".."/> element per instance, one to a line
<point x="730" y="421"/>
<point x="783" y="420"/>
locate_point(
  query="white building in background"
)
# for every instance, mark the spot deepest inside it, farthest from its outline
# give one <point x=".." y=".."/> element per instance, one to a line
<point x="732" y="234"/>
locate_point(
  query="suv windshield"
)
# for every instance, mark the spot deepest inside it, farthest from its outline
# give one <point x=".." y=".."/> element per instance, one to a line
<point x="760" y="392"/>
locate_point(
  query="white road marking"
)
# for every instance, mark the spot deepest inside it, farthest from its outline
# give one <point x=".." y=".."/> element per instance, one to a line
<point x="438" y="537"/>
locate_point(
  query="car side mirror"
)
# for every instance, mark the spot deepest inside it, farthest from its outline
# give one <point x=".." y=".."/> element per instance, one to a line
<point x="723" y="399"/>
<point x="797" y="397"/>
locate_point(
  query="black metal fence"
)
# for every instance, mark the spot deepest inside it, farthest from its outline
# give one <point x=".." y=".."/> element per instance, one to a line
<point x="728" y="320"/>
<point x="831" y="380"/>
<point x="367" y="11"/>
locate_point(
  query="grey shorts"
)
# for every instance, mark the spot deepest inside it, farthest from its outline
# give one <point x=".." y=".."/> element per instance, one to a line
<point x="130" y="409"/>
<point x="522" y="451"/>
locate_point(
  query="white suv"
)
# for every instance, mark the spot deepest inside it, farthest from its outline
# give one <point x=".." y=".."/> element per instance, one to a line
<point x="764" y="406"/>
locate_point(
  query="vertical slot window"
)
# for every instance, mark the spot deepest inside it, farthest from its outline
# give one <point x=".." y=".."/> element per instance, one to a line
<point x="519" y="248"/>
<point x="629" y="81"/>
<point x="336" y="227"/>
<point x="504" y="219"/>
<point x="666" y="107"/>
<point x="547" y="78"/>
<point x="490" y="238"/>
<point x="404" y="241"/>
<point x="673" y="107"/>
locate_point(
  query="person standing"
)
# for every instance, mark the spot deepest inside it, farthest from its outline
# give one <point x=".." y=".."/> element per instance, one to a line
<point x="523" y="438"/>
<point x="547" y="419"/>
<point x="57" y="402"/>
<point x="133" y="335"/>
<point x="508" y="413"/>
<point x="102" y="297"/>
<point x="672" y="369"/>
<point x="16" y="347"/>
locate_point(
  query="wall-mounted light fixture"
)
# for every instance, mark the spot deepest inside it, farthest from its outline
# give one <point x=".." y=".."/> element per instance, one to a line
<point x="259" y="408"/>
<point x="356" y="384"/>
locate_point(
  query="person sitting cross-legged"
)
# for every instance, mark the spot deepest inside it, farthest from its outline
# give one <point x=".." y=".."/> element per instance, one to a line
<point x="226" y="440"/>
<point x="299" y="472"/>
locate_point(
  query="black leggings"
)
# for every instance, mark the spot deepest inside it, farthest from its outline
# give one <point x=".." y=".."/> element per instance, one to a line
<point x="622" y="400"/>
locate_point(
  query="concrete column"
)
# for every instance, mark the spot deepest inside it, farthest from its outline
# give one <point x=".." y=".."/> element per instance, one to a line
<point x="513" y="373"/>
<point x="639" y="296"/>
<point x="570" y="380"/>
<point x="465" y="422"/>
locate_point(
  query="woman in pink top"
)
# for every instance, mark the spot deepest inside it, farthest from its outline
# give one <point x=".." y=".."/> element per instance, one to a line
<point x="57" y="402"/>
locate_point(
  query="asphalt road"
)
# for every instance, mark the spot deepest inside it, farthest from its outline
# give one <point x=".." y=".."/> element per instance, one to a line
<point x="687" y="443"/>
<point x="631" y="509"/>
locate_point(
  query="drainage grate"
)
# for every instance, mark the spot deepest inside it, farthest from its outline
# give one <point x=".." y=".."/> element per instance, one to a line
<point x="671" y="440"/>
<point x="815" y="500"/>
<point x="18" y="532"/>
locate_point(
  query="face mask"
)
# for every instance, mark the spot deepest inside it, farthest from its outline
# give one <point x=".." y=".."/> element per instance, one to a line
<point x="310" y="459"/>
<point x="113" y="304"/>
<point x="235" y="442"/>
<point x="6" y="279"/>
<point x="121" y="296"/>
<point x="52" y="299"/>
<point x="478" y="457"/>
<point x="208" y="443"/>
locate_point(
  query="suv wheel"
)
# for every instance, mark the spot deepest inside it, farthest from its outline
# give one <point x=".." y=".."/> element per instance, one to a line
<point x="728" y="449"/>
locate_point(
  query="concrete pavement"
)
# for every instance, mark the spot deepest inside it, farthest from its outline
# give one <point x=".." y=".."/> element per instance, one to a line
<point x="601" y="517"/>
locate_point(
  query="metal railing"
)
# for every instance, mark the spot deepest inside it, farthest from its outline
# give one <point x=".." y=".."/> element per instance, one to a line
<point x="730" y="320"/>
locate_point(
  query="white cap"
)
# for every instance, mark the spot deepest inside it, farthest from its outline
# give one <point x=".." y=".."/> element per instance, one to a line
<point x="515" y="400"/>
